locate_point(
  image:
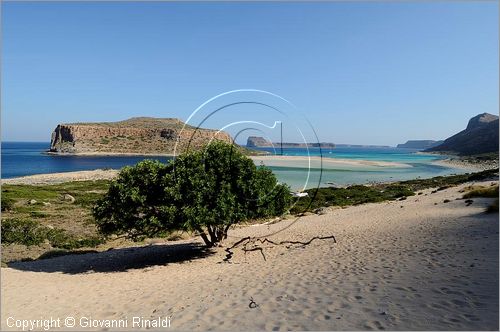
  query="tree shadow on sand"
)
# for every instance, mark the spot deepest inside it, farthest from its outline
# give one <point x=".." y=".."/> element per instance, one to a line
<point x="117" y="260"/>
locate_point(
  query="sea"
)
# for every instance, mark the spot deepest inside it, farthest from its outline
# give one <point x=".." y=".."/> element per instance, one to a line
<point x="28" y="158"/>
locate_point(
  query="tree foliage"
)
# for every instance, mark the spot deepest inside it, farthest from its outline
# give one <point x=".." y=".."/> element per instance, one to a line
<point x="205" y="191"/>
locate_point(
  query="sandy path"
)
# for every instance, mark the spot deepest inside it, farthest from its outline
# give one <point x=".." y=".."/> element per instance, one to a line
<point x="419" y="266"/>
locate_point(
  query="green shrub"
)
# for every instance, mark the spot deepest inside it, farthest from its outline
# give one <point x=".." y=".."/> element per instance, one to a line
<point x="38" y="214"/>
<point x="353" y="195"/>
<point x="204" y="191"/>
<point x="451" y="180"/>
<point x="7" y="203"/>
<point x="22" y="231"/>
<point x="58" y="238"/>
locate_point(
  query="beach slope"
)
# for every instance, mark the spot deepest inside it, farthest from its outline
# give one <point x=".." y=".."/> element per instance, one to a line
<point x="416" y="264"/>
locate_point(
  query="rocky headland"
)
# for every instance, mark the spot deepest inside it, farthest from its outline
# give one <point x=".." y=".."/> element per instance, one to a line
<point x="135" y="136"/>
<point x="480" y="137"/>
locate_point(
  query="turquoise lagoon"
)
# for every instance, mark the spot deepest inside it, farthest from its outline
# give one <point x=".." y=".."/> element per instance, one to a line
<point x="27" y="158"/>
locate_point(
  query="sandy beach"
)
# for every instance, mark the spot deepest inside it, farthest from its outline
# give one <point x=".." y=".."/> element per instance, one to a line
<point x="326" y="163"/>
<point x="415" y="264"/>
<point x="467" y="165"/>
<point x="54" y="178"/>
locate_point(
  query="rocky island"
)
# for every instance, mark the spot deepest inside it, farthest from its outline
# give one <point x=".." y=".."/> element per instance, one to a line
<point x="135" y="136"/>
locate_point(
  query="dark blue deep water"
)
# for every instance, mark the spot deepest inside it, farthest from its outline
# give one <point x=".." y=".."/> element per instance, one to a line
<point x="27" y="158"/>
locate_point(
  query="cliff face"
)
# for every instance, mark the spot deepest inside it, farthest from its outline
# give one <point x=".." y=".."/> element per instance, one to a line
<point x="419" y="144"/>
<point x="134" y="136"/>
<point x="480" y="136"/>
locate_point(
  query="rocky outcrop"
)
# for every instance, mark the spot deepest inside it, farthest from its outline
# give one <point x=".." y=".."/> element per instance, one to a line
<point x="419" y="144"/>
<point x="256" y="141"/>
<point x="132" y="136"/>
<point x="480" y="136"/>
<point x="481" y="120"/>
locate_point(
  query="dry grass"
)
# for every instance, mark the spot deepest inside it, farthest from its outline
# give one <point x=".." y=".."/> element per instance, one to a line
<point x="481" y="191"/>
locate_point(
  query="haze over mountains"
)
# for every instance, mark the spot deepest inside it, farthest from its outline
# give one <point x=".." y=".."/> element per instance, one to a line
<point x="419" y="144"/>
<point x="479" y="137"/>
<point x="159" y="136"/>
<point x="261" y="142"/>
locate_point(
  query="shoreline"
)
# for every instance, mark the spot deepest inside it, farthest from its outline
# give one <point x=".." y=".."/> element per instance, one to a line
<point x="272" y="161"/>
<point x="108" y="174"/>
<point x="467" y="165"/>
<point x="108" y="154"/>
<point x="455" y="161"/>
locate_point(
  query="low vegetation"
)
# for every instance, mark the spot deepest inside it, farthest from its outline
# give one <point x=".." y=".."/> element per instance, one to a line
<point x="38" y="221"/>
<point x="7" y="203"/>
<point x="442" y="182"/>
<point x="491" y="191"/>
<point x="359" y="194"/>
<point x="482" y="191"/>
<point x="29" y="233"/>
<point x="37" y="218"/>
<point x="353" y="195"/>
<point x="482" y="157"/>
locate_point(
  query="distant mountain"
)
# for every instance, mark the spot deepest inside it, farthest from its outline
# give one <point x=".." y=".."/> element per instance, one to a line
<point x="480" y="136"/>
<point x="261" y="142"/>
<point x="362" y="146"/>
<point x="421" y="144"/>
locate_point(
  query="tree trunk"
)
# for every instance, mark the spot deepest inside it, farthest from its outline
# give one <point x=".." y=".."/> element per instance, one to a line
<point x="225" y="231"/>
<point x="220" y="234"/>
<point x="206" y="240"/>
<point x="213" y="238"/>
<point x="216" y="234"/>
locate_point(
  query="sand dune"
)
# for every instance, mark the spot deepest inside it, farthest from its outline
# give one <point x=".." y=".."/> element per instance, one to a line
<point x="414" y="264"/>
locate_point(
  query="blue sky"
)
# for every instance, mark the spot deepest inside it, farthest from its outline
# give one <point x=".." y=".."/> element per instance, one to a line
<point x="362" y="73"/>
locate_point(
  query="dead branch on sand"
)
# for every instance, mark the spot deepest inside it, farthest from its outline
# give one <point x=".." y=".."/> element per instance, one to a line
<point x="248" y="244"/>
